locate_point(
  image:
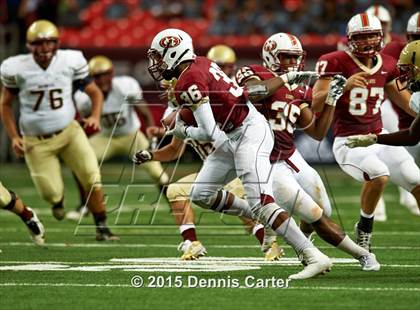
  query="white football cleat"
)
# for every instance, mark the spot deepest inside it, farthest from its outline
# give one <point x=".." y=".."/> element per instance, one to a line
<point x="369" y="262"/>
<point x="317" y="263"/>
<point x="75" y="215"/>
<point x="191" y="250"/>
<point x="380" y="211"/>
<point x="36" y="229"/>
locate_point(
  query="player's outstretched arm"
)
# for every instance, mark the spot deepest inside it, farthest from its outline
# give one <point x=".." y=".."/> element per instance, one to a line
<point x="169" y="152"/>
<point x="97" y="100"/>
<point x="8" y="117"/>
<point x="273" y="84"/>
<point x="409" y="136"/>
<point x="401" y="98"/>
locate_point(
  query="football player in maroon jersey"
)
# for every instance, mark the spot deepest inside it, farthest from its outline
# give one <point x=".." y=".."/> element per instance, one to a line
<point x="369" y="75"/>
<point x="297" y="186"/>
<point x="242" y="139"/>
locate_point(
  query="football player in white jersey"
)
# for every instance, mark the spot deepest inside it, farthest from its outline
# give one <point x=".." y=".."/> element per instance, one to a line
<point x="120" y="133"/>
<point x="11" y="202"/>
<point x="178" y="192"/>
<point x="43" y="81"/>
<point x="409" y="65"/>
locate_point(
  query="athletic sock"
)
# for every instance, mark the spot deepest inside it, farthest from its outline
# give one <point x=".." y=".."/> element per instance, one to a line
<point x="293" y="235"/>
<point x="258" y="232"/>
<point x="100" y="219"/>
<point x="350" y="247"/>
<point x="365" y="222"/>
<point x="229" y="203"/>
<point x="188" y="232"/>
<point x="26" y="214"/>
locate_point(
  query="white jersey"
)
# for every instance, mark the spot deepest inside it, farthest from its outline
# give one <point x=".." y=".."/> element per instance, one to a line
<point x="115" y="112"/>
<point x="45" y="96"/>
<point x="415" y="102"/>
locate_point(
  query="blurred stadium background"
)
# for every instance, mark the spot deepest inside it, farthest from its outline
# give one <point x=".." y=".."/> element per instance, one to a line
<point x="123" y="29"/>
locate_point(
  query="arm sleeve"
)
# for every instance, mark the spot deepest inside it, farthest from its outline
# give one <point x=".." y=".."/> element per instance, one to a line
<point x="206" y="129"/>
<point x="83" y="103"/>
<point x="244" y="74"/>
<point x="130" y="85"/>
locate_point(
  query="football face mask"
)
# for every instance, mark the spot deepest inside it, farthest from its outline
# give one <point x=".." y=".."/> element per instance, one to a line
<point x="43" y="50"/>
<point x="157" y="66"/>
<point x="365" y="44"/>
<point x="407" y="78"/>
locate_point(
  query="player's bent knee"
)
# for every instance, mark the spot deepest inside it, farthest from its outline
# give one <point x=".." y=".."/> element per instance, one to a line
<point x="175" y="192"/>
<point x="203" y="199"/>
<point x="7" y="199"/>
<point x="379" y="181"/>
<point x="410" y="173"/>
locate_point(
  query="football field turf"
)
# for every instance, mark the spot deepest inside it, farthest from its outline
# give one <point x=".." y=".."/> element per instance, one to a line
<point x="73" y="271"/>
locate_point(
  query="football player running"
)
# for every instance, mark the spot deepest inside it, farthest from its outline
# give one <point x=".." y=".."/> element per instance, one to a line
<point x="43" y="82"/>
<point x="245" y="140"/>
<point x="409" y="66"/>
<point x="178" y="192"/>
<point x="297" y="186"/>
<point x="369" y="75"/>
<point x="120" y="133"/>
<point x="11" y="202"/>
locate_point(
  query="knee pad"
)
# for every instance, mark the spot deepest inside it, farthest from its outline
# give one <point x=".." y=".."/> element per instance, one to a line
<point x="176" y="192"/>
<point x="267" y="214"/>
<point x="410" y="173"/>
<point x="7" y="199"/>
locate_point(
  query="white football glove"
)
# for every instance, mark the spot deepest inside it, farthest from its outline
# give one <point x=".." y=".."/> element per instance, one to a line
<point x="142" y="157"/>
<point x="298" y="77"/>
<point x="180" y="129"/>
<point x="361" y="140"/>
<point x="336" y="89"/>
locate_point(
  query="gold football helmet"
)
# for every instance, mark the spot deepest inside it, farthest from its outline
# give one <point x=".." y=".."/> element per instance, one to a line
<point x="100" y="64"/>
<point x="409" y="66"/>
<point x="221" y="54"/>
<point x="224" y="57"/>
<point x="42" y="30"/>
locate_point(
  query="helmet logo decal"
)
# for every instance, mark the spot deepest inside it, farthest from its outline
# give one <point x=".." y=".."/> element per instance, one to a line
<point x="270" y="45"/>
<point x="169" y="41"/>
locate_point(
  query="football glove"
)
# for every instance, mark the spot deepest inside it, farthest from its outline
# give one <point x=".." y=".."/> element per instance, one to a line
<point x="179" y="130"/>
<point x="298" y="77"/>
<point x="142" y="157"/>
<point x="336" y="89"/>
<point x="361" y="140"/>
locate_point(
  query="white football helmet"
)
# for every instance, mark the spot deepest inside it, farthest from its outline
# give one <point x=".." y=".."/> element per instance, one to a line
<point x="282" y="43"/>
<point x="380" y="12"/>
<point x="413" y="25"/>
<point x="169" y="48"/>
<point x="364" y="24"/>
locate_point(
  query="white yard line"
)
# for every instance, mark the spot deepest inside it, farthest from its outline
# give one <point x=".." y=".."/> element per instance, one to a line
<point x="158" y="245"/>
<point x="321" y="288"/>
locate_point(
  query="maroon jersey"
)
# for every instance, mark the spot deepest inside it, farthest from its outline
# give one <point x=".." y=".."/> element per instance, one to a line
<point x="282" y="109"/>
<point x="394" y="49"/>
<point x="358" y="110"/>
<point x="204" y="78"/>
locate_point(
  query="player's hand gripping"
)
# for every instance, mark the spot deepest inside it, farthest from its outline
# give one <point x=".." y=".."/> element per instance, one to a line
<point x="141" y="157"/>
<point x="298" y="77"/>
<point x="336" y="89"/>
<point x="361" y="140"/>
<point x="17" y="145"/>
<point x="179" y="130"/>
